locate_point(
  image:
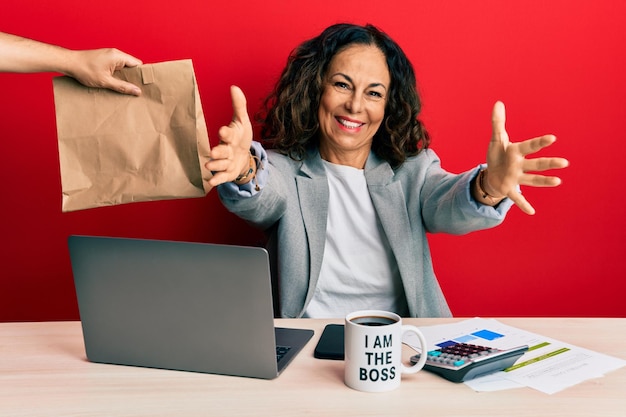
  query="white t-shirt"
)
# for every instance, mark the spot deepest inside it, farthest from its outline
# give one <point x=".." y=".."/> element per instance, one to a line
<point x="359" y="270"/>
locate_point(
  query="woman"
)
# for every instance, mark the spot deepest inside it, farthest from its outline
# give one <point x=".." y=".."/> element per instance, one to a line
<point x="351" y="187"/>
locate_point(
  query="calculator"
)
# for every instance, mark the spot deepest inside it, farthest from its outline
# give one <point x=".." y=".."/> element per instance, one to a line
<point x="458" y="362"/>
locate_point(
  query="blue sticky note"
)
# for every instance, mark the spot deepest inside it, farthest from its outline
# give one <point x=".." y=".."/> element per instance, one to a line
<point x="487" y="334"/>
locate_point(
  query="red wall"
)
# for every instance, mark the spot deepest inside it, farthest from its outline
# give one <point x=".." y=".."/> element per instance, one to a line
<point x="557" y="65"/>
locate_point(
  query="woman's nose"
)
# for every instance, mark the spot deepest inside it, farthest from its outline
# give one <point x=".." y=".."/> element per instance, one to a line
<point x="354" y="103"/>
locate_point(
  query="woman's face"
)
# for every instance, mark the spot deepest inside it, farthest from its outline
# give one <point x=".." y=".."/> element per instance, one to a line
<point x="352" y="105"/>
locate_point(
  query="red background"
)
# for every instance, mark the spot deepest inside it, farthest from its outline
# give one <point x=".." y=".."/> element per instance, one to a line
<point x="558" y="66"/>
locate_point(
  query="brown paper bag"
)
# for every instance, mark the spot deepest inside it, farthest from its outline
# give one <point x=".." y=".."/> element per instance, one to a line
<point x="116" y="149"/>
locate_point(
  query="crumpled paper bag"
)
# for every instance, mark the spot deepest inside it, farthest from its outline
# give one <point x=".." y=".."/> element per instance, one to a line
<point x="116" y="149"/>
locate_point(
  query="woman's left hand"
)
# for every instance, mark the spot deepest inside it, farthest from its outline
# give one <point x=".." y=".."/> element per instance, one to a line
<point x="508" y="167"/>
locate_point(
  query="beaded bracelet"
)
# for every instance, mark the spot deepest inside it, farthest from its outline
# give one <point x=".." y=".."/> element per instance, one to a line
<point x="484" y="194"/>
<point x="255" y="162"/>
<point x="250" y="170"/>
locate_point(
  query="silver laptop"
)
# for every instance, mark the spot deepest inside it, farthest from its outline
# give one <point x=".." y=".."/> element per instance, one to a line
<point x="179" y="305"/>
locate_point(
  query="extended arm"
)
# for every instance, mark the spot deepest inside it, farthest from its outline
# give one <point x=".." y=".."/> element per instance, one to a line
<point x="93" y="68"/>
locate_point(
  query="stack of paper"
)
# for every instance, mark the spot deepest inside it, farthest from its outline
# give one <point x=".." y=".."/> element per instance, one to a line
<point x="548" y="366"/>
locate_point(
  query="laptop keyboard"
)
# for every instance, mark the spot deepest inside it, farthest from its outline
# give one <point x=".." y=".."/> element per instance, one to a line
<point x="281" y="351"/>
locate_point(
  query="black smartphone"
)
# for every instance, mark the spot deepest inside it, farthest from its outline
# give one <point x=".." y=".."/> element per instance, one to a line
<point x="330" y="345"/>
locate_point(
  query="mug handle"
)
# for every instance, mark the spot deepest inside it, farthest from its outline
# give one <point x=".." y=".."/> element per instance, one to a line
<point x="422" y="360"/>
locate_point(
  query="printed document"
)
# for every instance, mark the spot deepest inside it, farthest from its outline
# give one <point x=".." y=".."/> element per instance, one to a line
<point x="548" y="366"/>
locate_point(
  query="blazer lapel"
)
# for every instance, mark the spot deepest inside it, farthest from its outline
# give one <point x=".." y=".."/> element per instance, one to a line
<point x="389" y="202"/>
<point x="313" y="194"/>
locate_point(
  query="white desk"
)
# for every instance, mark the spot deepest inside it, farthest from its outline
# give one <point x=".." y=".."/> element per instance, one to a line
<point x="43" y="372"/>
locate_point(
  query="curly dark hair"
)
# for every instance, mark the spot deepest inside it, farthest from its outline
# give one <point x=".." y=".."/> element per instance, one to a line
<point x="289" y="115"/>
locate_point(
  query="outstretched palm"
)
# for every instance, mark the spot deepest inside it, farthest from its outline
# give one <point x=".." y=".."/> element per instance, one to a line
<point x="508" y="167"/>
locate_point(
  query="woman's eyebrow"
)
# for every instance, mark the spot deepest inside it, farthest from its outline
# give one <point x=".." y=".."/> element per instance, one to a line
<point x="347" y="77"/>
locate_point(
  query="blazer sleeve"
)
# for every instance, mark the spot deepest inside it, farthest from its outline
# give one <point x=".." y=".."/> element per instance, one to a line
<point x="263" y="207"/>
<point x="447" y="204"/>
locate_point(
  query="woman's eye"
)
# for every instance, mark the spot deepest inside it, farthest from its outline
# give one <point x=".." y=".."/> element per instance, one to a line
<point x="341" y="84"/>
<point x="375" y="94"/>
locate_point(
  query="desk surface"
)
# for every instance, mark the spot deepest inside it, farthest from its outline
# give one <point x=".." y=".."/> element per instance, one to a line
<point x="43" y="372"/>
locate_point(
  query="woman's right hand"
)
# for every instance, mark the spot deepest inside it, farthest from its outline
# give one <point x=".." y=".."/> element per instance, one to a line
<point x="231" y="158"/>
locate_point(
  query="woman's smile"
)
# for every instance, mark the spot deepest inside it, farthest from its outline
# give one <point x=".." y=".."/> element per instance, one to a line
<point x="348" y="124"/>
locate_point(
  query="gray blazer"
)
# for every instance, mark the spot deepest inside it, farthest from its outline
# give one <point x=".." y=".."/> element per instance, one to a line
<point x="414" y="199"/>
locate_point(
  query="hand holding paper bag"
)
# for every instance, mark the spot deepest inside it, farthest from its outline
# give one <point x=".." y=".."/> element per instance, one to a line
<point x="116" y="149"/>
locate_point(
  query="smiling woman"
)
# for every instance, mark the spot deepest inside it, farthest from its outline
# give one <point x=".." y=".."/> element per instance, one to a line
<point x="351" y="188"/>
<point x="352" y="105"/>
